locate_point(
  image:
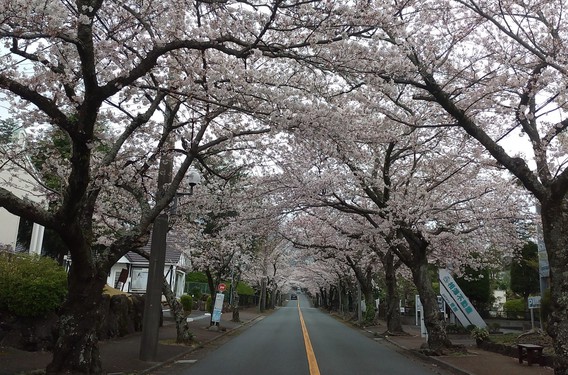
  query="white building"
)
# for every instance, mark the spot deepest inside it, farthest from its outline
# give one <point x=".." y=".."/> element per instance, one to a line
<point x="20" y="181"/>
<point x="134" y="270"/>
<point x="500" y="297"/>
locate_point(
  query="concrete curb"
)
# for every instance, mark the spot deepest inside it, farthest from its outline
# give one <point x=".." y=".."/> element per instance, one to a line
<point x="427" y="358"/>
<point x="181" y="355"/>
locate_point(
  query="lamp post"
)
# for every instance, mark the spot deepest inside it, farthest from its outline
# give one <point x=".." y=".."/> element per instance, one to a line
<point x="153" y="300"/>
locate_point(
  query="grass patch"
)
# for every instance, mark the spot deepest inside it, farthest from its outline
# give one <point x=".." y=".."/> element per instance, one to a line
<point x="512" y="339"/>
<point x="505" y="338"/>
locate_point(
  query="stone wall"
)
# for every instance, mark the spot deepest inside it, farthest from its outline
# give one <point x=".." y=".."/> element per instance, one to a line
<point x="120" y="315"/>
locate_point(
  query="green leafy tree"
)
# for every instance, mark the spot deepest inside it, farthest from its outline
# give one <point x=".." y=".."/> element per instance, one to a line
<point x="476" y="286"/>
<point x="524" y="271"/>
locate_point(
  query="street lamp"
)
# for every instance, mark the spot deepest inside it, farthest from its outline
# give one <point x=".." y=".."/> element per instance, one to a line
<point x="153" y="300"/>
<point x="193" y="178"/>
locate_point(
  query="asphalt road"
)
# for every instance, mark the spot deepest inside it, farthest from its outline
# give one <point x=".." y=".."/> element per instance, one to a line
<point x="281" y="345"/>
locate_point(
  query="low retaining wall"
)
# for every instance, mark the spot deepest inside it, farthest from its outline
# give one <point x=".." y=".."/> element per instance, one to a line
<point x="120" y="315"/>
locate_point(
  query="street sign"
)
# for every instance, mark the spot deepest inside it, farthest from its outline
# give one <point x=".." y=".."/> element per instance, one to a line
<point x="534" y="302"/>
<point x="218" y="307"/>
<point x="458" y="301"/>
<point x="221" y="287"/>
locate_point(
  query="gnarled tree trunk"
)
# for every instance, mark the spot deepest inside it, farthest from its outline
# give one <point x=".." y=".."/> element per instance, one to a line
<point x="555" y="232"/>
<point x="437" y="337"/>
<point x="76" y="350"/>
<point x="183" y="334"/>
<point x="394" y="321"/>
<point x="415" y="258"/>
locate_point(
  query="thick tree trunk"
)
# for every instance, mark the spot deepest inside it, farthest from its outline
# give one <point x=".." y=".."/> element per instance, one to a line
<point x="323" y="298"/>
<point x="415" y="257"/>
<point x="437" y="337"/>
<point x="394" y="321"/>
<point x="262" y="301"/>
<point x="235" y="302"/>
<point x="76" y="350"/>
<point x="367" y="292"/>
<point x="184" y="335"/>
<point x="555" y="232"/>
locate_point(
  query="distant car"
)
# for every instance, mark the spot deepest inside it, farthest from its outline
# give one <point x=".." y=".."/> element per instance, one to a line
<point x="293" y="296"/>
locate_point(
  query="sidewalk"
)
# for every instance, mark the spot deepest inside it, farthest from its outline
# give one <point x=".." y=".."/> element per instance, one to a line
<point x="120" y="356"/>
<point x="475" y="362"/>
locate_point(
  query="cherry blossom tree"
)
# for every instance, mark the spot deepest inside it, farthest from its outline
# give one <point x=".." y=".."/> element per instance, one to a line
<point x="420" y="191"/>
<point x="324" y="234"/>
<point x="497" y="71"/>
<point x="100" y="72"/>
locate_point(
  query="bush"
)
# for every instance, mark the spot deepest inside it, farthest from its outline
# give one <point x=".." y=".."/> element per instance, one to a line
<point x="494" y="327"/>
<point x="208" y="304"/>
<point x="195" y="292"/>
<point x="244" y="289"/>
<point x="31" y="286"/>
<point x="187" y="302"/>
<point x="480" y="334"/>
<point x="515" y="308"/>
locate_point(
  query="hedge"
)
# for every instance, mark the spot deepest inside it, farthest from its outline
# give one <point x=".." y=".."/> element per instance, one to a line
<point x="31" y="286"/>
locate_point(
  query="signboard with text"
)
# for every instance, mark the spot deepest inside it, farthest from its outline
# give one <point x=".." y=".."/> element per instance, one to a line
<point x="218" y="307"/>
<point x="534" y="302"/>
<point x="458" y="301"/>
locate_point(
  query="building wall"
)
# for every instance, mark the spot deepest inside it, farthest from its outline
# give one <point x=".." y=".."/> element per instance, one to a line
<point x="8" y="230"/>
<point x="20" y="183"/>
<point x="138" y="278"/>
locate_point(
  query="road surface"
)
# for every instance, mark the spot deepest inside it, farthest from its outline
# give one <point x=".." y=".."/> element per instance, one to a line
<point x="300" y="340"/>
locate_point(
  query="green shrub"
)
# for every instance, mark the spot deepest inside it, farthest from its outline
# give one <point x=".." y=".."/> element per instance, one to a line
<point x="515" y="308"/>
<point x="195" y="292"/>
<point x="187" y="302"/>
<point x="244" y="289"/>
<point x="31" y="286"/>
<point x="480" y="334"/>
<point x="208" y="304"/>
<point x="494" y="327"/>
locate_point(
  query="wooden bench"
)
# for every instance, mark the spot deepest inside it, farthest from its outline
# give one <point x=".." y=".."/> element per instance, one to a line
<point x="532" y="353"/>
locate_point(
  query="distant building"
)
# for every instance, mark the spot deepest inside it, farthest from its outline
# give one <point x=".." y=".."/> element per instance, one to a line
<point x="500" y="297"/>
<point x="134" y="270"/>
<point x="19" y="179"/>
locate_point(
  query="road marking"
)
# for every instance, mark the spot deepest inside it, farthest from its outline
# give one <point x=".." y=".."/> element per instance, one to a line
<point x="312" y="363"/>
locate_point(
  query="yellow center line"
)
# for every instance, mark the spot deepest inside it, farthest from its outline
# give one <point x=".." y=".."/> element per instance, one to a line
<point x="312" y="363"/>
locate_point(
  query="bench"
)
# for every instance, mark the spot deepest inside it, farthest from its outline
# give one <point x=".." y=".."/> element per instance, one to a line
<point x="531" y="352"/>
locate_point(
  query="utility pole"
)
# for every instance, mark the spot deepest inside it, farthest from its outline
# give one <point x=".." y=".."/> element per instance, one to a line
<point x="153" y="300"/>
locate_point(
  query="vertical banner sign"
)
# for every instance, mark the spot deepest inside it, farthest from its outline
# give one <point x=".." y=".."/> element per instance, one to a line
<point x="420" y="310"/>
<point x="218" y="307"/>
<point x="458" y="301"/>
